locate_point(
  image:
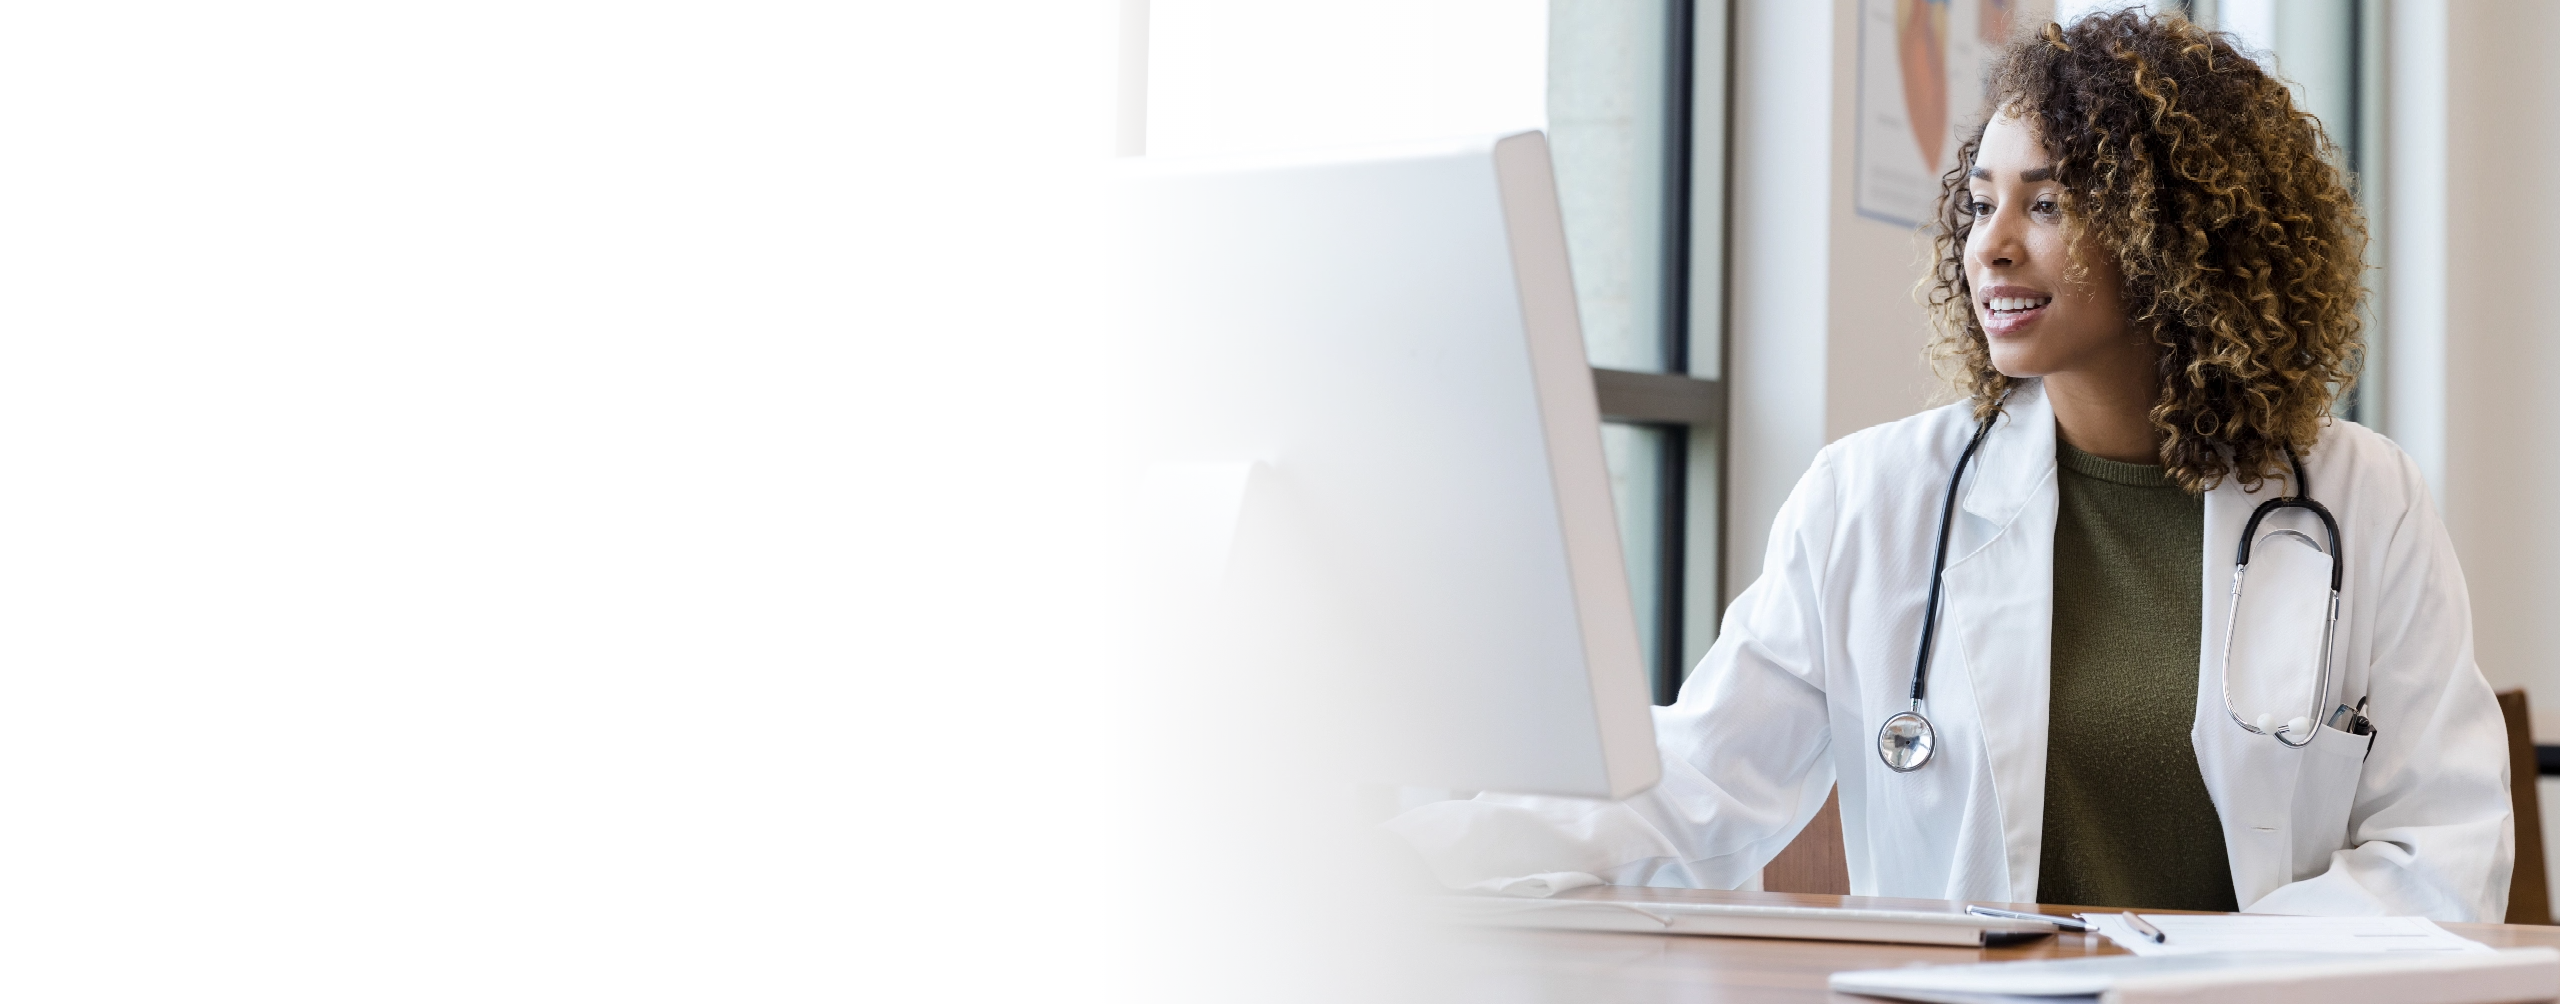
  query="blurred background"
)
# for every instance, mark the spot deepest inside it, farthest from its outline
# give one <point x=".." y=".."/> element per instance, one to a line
<point x="666" y="498"/>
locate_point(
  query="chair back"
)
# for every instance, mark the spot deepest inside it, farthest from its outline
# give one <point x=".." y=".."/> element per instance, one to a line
<point x="2529" y="893"/>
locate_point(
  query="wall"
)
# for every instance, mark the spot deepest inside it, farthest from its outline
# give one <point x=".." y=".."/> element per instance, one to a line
<point x="1778" y="281"/>
<point x="2472" y="347"/>
<point x="1875" y="334"/>
<point x="2468" y="351"/>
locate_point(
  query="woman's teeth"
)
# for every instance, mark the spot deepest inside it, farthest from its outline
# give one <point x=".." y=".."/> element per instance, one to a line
<point x="2019" y="302"/>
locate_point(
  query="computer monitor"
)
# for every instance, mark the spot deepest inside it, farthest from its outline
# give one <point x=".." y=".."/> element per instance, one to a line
<point x="1362" y="379"/>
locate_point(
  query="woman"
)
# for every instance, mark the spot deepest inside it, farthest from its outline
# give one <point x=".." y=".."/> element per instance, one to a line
<point x="2148" y="277"/>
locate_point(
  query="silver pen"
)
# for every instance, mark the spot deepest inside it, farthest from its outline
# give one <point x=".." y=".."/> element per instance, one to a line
<point x="2065" y="923"/>
<point x="2144" y="928"/>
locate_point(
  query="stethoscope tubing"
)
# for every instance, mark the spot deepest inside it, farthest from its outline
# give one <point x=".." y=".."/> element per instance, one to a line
<point x="1938" y="566"/>
<point x="2337" y="583"/>
<point x="2301" y="499"/>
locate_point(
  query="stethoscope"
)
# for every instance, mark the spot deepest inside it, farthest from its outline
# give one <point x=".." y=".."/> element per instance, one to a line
<point x="2300" y="725"/>
<point x="1907" y="739"/>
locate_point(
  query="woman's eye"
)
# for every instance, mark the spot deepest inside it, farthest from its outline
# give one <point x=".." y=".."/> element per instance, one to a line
<point x="2047" y="207"/>
<point x="1979" y="208"/>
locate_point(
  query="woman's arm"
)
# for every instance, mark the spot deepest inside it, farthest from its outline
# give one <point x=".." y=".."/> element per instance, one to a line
<point x="1743" y="752"/>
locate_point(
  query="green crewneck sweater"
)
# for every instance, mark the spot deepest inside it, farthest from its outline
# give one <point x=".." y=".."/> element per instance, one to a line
<point x="2127" y="821"/>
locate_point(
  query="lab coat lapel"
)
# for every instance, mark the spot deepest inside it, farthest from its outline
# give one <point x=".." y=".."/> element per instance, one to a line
<point x="2250" y="777"/>
<point x="1999" y="609"/>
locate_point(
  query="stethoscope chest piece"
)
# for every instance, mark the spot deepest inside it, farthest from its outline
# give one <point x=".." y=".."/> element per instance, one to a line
<point x="1905" y="741"/>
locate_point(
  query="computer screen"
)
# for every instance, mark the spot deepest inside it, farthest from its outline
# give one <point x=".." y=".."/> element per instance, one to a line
<point x="1367" y="453"/>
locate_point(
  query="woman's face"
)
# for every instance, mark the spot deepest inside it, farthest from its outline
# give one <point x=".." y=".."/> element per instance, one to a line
<point x="2039" y="322"/>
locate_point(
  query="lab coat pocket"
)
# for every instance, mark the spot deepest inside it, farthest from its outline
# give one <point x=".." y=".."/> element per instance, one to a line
<point x="2324" y="794"/>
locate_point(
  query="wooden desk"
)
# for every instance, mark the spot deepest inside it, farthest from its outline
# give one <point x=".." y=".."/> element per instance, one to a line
<point x="1586" y="966"/>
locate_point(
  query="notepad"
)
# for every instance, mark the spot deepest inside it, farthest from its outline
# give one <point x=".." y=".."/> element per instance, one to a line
<point x="2189" y="935"/>
<point x="2239" y="977"/>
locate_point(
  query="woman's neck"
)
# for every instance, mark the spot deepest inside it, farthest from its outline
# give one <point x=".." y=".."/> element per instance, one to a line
<point x="2107" y="414"/>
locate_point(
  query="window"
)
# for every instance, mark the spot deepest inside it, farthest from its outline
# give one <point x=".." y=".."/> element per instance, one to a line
<point x="1635" y="116"/>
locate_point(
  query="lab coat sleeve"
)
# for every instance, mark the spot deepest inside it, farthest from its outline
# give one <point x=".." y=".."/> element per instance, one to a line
<point x="1743" y="751"/>
<point x="2432" y="831"/>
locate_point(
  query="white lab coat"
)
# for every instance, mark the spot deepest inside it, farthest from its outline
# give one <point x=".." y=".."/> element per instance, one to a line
<point x="1818" y="653"/>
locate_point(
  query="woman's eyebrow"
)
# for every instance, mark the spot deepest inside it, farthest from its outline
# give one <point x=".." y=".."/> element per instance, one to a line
<point x="2030" y="175"/>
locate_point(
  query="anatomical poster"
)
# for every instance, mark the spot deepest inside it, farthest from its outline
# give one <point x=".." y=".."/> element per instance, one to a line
<point x="1920" y="70"/>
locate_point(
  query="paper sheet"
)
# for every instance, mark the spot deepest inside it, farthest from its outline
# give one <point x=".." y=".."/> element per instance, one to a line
<point x="2457" y="977"/>
<point x="2250" y="933"/>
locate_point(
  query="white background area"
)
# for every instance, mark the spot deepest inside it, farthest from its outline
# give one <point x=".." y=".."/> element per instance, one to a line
<point x="545" y="500"/>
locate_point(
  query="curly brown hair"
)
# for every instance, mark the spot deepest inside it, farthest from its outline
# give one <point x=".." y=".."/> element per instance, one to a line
<point x="2241" y="244"/>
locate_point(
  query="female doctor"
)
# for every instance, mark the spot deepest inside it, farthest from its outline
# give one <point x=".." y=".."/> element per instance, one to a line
<point x="2147" y="288"/>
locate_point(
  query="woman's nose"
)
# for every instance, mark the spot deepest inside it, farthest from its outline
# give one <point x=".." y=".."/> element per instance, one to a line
<point x="1996" y="244"/>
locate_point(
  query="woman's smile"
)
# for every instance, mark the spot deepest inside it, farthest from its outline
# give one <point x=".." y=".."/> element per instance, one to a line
<point x="2008" y="310"/>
